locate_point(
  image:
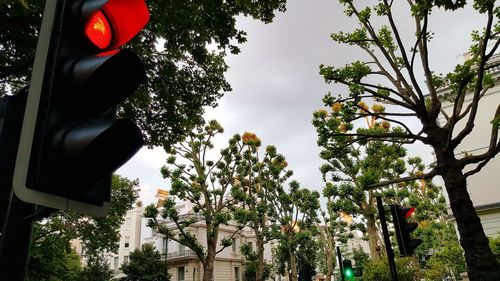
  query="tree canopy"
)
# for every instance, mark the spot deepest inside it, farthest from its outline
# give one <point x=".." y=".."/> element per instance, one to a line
<point x="145" y="265"/>
<point x="391" y="73"/>
<point x="183" y="48"/>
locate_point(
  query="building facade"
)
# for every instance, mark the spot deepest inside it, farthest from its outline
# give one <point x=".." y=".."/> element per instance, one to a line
<point x="130" y="239"/>
<point x="483" y="187"/>
<point x="182" y="263"/>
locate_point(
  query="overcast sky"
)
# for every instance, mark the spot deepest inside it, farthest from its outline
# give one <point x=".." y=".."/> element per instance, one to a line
<point x="276" y="85"/>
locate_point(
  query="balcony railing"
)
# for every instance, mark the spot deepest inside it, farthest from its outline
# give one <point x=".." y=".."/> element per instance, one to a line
<point x="187" y="254"/>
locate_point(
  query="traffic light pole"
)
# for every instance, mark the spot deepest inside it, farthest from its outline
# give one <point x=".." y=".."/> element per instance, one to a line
<point x="340" y="264"/>
<point x="387" y="241"/>
<point x="15" y="216"/>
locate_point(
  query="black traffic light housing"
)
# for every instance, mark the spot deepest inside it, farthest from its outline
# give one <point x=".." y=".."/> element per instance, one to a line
<point x="71" y="141"/>
<point x="403" y="229"/>
<point x="347" y="269"/>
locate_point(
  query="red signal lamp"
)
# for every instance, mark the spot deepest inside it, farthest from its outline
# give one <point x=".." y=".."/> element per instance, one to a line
<point x="116" y="23"/>
<point x="409" y="212"/>
<point x="98" y="30"/>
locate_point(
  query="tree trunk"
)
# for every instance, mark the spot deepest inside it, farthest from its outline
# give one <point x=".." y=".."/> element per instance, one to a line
<point x="330" y="264"/>
<point x="208" y="269"/>
<point x="371" y="229"/>
<point x="481" y="263"/>
<point x="293" y="266"/>
<point x="259" y="273"/>
<point x="416" y="265"/>
<point x="208" y="266"/>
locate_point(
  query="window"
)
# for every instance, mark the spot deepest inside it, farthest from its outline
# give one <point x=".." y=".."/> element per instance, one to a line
<point x="180" y="273"/>
<point x="165" y="245"/>
<point x="250" y="245"/>
<point x="236" y="274"/>
<point x="182" y="248"/>
<point x="234" y="245"/>
<point x="115" y="263"/>
<point x="127" y="241"/>
<point x="125" y="259"/>
<point x="128" y="224"/>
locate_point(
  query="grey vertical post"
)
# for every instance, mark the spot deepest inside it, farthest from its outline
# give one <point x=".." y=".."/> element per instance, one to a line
<point x="387" y="241"/>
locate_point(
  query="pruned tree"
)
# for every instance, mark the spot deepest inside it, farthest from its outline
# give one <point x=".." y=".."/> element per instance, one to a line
<point x="350" y="168"/>
<point x="331" y="230"/>
<point x="293" y="210"/>
<point x="253" y="207"/>
<point x="204" y="183"/>
<point x="400" y="70"/>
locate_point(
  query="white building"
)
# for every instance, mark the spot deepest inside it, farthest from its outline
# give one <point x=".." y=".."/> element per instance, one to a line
<point x="483" y="187"/>
<point x="130" y="238"/>
<point x="182" y="263"/>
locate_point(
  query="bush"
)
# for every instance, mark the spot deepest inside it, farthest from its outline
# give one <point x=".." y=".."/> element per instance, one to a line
<point x="379" y="270"/>
<point x="495" y="247"/>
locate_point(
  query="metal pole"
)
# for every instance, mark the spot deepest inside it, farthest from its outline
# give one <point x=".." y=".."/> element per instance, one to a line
<point x="16" y="239"/>
<point x="340" y="264"/>
<point x="15" y="216"/>
<point x="387" y="241"/>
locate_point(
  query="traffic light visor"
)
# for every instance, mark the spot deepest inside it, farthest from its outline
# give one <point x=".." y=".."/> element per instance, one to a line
<point x="127" y="18"/>
<point x="408" y="211"/>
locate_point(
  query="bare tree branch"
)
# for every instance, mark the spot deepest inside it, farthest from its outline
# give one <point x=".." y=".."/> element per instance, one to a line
<point x="493" y="149"/>
<point x="479" y="83"/>
<point x="427" y="176"/>
<point x="395" y="30"/>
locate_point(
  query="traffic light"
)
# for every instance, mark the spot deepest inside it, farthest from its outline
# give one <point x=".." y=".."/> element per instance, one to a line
<point x="403" y="229"/>
<point x="347" y="268"/>
<point x="71" y="141"/>
<point x="358" y="271"/>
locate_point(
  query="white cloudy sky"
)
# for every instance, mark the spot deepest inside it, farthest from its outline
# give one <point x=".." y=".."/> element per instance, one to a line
<point x="276" y="85"/>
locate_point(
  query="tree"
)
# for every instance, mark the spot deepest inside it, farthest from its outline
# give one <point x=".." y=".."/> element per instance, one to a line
<point x="448" y="257"/>
<point x="96" y="234"/>
<point x="252" y="264"/>
<point x="360" y="257"/>
<point x="144" y="265"/>
<point x="351" y="167"/>
<point x="495" y="246"/>
<point x="379" y="270"/>
<point x="293" y="210"/>
<point x="307" y="254"/>
<point x="96" y="269"/>
<point x="331" y="231"/>
<point x="402" y="87"/>
<point x="206" y="184"/>
<point x="253" y="203"/>
<point x="51" y="237"/>
<point x="184" y="73"/>
<point x="51" y="258"/>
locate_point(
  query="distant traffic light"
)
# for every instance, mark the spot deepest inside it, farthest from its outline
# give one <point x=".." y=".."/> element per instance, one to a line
<point x="71" y="140"/>
<point x="403" y="229"/>
<point x="348" y="270"/>
<point x="358" y="272"/>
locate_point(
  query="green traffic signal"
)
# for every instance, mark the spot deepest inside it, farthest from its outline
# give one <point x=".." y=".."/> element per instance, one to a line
<point x="347" y="268"/>
<point x="348" y="272"/>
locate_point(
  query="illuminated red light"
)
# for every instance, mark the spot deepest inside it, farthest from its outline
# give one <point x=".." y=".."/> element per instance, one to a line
<point x="98" y="30"/>
<point x="410" y="211"/>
